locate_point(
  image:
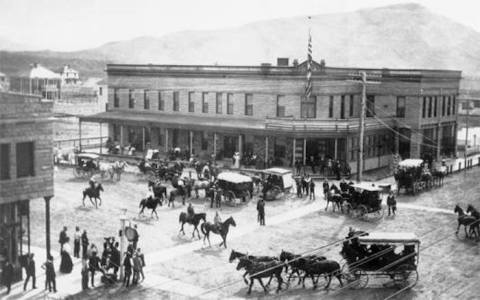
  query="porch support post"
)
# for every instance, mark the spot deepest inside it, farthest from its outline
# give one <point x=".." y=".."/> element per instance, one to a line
<point x="397" y="141"/>
<point x="47" y="223"/>
<point x="293" y="156"/>
<point x="439" y="139"/>
<point x="28" y="225"/>
<point x="215" y="144"/>
<point x="240" y="150"/>
<point x="143" y="139"/>
<point x="121" y="138"/>
<point x="166" y="139"/>
<point x="190" y="142"/>
<point x="336" y="149"/>
<point x="266" y="150"/>
<point x="304" y="151"/>
<point x="101" y="139"/>
<point x="80" y="135"/>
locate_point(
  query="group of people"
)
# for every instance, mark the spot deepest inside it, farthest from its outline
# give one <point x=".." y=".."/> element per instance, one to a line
<point x="305" y="186"/>
<point x="326" y="166"/>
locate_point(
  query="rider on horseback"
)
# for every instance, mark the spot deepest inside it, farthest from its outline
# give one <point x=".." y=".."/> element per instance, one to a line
<point x="190" y="211"/>
<point x="92" y="182"/>
<point x="217" y="221"/>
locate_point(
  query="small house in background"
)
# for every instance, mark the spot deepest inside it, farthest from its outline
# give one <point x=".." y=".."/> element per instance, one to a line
<point x="69" y="76"/>
<point x="4" y="84"/>
<point x="37" y="80"/>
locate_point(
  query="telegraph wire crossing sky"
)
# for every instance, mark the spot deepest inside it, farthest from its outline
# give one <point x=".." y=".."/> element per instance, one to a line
<point x="75" y="25"/>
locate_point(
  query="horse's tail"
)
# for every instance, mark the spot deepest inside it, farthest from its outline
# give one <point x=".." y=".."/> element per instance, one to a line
<point x="180" y="217"/>
<point x="141" y="203"/>
<point x="84" y="193"/>
<point x="202" y="228"/>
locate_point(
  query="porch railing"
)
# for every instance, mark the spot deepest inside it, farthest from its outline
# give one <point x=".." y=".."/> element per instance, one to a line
<point x="292" y="124"/>
<point x="85" y="143"/>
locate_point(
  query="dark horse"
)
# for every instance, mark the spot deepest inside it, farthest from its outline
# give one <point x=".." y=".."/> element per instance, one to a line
<point x="293" y="261"/>
<point x="93" y="193"/>
<point x="327" y="268"/>
<point x="159" y="191"/>
<point x="336" y="199"/>
<point x="237" y="255"/>
<point x="150" y="203"/>
<point x="258" y="270"/>
<point x="208" y="227"/>
<point x="183" y="218"/>
<point x="474" y="213"/>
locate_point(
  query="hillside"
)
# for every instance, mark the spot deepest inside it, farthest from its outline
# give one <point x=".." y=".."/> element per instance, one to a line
<point x="396" y="36"/>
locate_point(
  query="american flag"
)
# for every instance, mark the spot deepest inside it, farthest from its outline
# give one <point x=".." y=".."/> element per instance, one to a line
<point x="308" y="86"/>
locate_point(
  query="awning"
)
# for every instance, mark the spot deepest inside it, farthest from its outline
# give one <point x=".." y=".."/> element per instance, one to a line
<point x="181" y="121"/>
<point x="389" y="237"/>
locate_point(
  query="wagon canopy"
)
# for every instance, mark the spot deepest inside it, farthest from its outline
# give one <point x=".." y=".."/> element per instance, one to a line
<point x="367" y="186"/>
<point x="286" y="175"/>
<point x="88" y="155"/>
<point x="389" y="238"/>
<point x="410" y="163"/>
<point x="233" y="177"/>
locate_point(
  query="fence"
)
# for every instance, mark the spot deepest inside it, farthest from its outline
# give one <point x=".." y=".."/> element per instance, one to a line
<point x="84" y="143"/>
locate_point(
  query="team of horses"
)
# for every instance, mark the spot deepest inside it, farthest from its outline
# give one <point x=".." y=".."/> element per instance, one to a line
<point x="294" y="265"/>
<point x="470" y="220"/>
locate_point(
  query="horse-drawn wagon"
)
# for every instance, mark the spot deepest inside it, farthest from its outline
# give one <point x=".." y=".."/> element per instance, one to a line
<point x="235" y="187"/>
<point x="87" y="165"/>
<point x="363" y="201"/>
<point x="392" y="255"/>
<point x="276" y="181"/>
<point x="412" y="175"/>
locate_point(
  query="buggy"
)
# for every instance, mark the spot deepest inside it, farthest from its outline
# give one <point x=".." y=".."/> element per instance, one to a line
<point x="393" y="255"/>
<point x="413" y="176"/>
<point x="276" y="181"/>
<point x="235" y="187"/>
<point x="364" y="201"/>
<point x="87" y="165"/>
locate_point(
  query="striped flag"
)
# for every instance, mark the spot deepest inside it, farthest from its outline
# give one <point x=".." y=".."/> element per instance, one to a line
<point x="308" y="86"/>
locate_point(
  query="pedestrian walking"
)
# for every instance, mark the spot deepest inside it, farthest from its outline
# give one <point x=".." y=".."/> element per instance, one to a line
<point x="391" y="203"/>
<point x="299" y="188"/>
<point x="136" y="268"/>
<point x="93" y="266"/>
<point x="30" y="271"/>
<point x="261" y="212"/>
<point x="127" y="264"/>
<point x="63" y="238"/>
<point x="84" y="240"/>
<point x="50" y="280"/>
<point x="7" y="273"/>
<point x="142" y="260"/>
<point x="77" y="235"/>
<point x="312" y="189"/>
<point x="326" y="188"/>
<point x="84" y="274"/>
<point x="135" y="237"/>
<point x="115" y="258"/>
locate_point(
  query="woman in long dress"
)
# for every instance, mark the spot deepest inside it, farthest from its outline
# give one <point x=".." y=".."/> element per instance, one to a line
<point x="66" y="264"/>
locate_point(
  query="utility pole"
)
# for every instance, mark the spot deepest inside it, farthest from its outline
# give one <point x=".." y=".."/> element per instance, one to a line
<point x="466" y="136"/>
<point x="362" y="127"/>
<point x="123" y="218"/>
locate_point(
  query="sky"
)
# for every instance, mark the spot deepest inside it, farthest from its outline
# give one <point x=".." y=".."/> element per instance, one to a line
<point x="68" y="25"/>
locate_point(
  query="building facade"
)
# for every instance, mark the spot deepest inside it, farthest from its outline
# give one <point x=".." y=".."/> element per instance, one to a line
<point x="37" y="80"/>
<point x="69" y="76"/>
<point x="26" y="170"/>
<point x="262" y="110"/>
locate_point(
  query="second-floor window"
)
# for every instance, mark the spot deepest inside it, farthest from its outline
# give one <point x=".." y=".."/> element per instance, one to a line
<point x="25" y="159"/>
<point x="161" y="103"/>
<point x="342" y="107"/>
<point x="230" y="104"/>
<point x="176" y="102"/>
<point x="280" y="106"/>
<point x="308" y="107"/>
<point x="351" y="108"/>
<point x="400" y="107"/>
<point x="218" y="99"/>
<point x="131" y="99"/>
<point x="248" y="104"/>
<point x="454" y="108"/>
<point x="424" y="107"/>
<point x="116" y="98"/>
<point x="4" y="161"/>
<point x="430" y="107"/>
<point x="204" y="103"/>
<point x="370" y="105"/>
<point x="146" y="100"/>
<point x="191" y="102"/>
<point x="449" y="104"/>
<point x="435" y="100"/>
<point x="330" y="107"/>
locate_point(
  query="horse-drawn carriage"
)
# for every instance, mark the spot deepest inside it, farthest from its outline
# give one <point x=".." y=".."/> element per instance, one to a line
<point x="236" y="188"/>
<point x="87" y="165"/>
<point x="276" y="181"/>
<point x="363" y="201"/>
<point x="391" y="255"/>
<point x="413" y="176"/>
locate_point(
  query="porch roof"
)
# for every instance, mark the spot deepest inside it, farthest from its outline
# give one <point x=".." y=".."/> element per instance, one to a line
<point x="181" y="121"/>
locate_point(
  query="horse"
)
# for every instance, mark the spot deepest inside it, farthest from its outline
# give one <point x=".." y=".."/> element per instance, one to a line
<point x="117" y="169"/>
<point x="93" y="193"/>
<point x="439" y="175"/>
<point x="178" y="191"/>
<point x="208" y="227"/>
<point x="336" y="199"/>
<point x="328" y="268"/>
<point x="201" y="185"/>
<point x="159" y="191"/>
<point x="237" y="255"/>
<point x="292" y="260"/>
<point x="465" y="220"/>
<point x="150" y="203"/>
<point x="259" y="270"/>
<point x="183" y="218"/>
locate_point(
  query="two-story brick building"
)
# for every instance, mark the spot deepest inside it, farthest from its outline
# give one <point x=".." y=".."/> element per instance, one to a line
<point x="26" y="169"/>
<point x="262" y="110"/>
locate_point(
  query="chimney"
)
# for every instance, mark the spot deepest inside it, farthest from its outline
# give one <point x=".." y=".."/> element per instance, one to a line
<point x="282" y="62"/>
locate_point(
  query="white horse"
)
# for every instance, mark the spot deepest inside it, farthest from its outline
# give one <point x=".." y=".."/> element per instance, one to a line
<point x="112" y="168"/>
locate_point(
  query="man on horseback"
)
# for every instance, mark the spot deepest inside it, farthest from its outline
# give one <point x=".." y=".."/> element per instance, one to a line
<point x="190" y="211"/>
<point x="92" y="182"/>
<point x="217" y="221"/>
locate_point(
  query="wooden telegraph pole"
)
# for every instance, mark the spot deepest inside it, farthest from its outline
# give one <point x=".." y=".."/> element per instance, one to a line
<point x="362" y="127"/>
<point x="466" y="137"/>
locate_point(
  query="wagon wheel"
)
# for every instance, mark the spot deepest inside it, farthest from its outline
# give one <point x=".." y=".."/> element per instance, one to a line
<point x="356" y="279"/>
<point x="77" y="172"/>
<point x="361" y="211"/>
<point x="347" y="207"/>
<point x="229" y="197"/>
<point x="405" y="276"/>
<point x="378" y="214"/>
